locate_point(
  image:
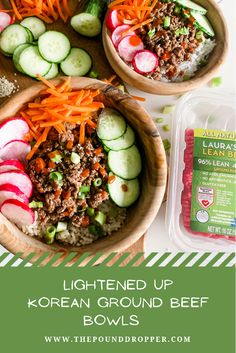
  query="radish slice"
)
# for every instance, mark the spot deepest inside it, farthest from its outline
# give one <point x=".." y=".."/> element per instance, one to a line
<point x="17" y="212"/>
<point x="145" y="61"/>
<point x="12" y="129"/>
<point x="19" y="179"/>
<point x="10" y="191"/>
<point x="16" y="149"/>
<point x="5" y="20"/>
<point x="11" y="165"/>
<point x="128" y="46"/>
<point x="117" y="34"/>
<point x="112" y="20"/>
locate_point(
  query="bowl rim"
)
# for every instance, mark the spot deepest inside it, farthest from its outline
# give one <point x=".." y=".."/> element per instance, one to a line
<point x="159" y="87"/>
<point x="11" y="234"/>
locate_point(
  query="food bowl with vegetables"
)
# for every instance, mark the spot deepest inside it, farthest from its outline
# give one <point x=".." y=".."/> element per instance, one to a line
<point x="165" y="47"/>
<point x="86" y="170"/>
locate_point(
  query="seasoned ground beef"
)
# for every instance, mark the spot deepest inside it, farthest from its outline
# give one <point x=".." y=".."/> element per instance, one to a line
<point x="63" y="199"/>
<point x="171" y="47"/>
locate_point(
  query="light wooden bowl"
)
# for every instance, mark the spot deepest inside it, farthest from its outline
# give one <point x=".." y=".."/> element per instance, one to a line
<point x="153" y="178"/>
<point x="202" y="76"/>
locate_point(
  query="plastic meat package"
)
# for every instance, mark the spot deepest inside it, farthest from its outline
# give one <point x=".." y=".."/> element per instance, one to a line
<point x="201" y="210"/>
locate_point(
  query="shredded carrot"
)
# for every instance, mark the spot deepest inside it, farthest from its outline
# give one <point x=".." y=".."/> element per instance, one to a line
<point x="141" y="99"/>
<point x="103" y="172"/>
<point x="133" y="12"/>
<point x="39" y="164"/>
<point x="46" y="82"/>
<point x="82" y="134"/>
<point x="16" y="12"/>
<point x="96" y="166"/>
<point x="51" y="165"/>
<point x="69" y="145"/>
<point x="56" y="106"/>
<point x="133" y="28"/>
<point x="47" y="10"/>
<point x="110" y="81"/>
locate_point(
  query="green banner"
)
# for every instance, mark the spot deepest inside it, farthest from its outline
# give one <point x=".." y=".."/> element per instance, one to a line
<point x="114" y="309"/>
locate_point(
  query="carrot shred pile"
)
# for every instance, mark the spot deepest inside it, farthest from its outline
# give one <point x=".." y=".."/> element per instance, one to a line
<point x="47" y="10"/>
<point x="133" y="12"/>
<point x="57" y="105"/>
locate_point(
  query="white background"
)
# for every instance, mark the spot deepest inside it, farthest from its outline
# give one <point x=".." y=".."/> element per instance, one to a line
<point x="157" y="238"/>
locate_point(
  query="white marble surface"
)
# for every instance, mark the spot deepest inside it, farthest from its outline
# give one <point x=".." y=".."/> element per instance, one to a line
<point x="157" y="238"/>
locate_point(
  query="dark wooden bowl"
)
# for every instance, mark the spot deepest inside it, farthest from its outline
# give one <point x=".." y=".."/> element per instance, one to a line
<point x="202" y="76"/>
<point x="153" y="178"/>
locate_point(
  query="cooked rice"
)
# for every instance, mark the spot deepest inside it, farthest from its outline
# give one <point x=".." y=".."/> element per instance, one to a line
<point x="189" y="68"/>
<point x="79" y="236"/>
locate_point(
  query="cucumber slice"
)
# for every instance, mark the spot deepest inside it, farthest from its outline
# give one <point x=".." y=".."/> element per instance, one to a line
<point x="13" y="36"/>
<point x="35" y="25"/>
<point x="125" y="163"/>
<point x="111" y="125"/>
<point x="86" y="24"/>
<point x="124" y="192"/>
<point x="32" y="63"/>
<point x="202" y="23"/>
<point x="53" y="72"/>
<point x="125" y="141"/>
<point x="77" y="63"/>
<point x="54" y="46"/>
<point x="30" y="36"/>
<point x="16" y="56"/>
<point x="192" y="6"/>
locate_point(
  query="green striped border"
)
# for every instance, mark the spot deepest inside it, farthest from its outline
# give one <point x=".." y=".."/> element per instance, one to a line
<point x="161" y="259"/>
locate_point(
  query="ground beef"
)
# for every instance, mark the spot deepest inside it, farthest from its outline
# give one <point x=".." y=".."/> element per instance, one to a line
<point x="171" y="49"/>
<point x="61" y="200"/>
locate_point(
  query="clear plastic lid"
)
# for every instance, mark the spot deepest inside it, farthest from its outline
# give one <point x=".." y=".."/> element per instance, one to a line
<point x="193" y="220"/>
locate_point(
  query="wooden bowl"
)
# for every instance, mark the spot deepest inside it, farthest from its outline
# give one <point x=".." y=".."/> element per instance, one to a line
<point x="153" y="178"/>
<point x="202" y="76"/>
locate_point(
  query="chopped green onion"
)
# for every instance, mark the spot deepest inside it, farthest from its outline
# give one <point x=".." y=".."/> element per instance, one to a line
<point x="166" y="22"/>
<point x="121" y="88"/>
<point x="57" y="158"/>
<point x="75" y="158"/>
<point x="99" y="230"/>
<point x="60" y="183"/>
<point x="56" y="176"/>
<point x="216" y="81"/>
<point x="97" y="182"/>
<point x="50" y="234"/>
<point x="166" y="127"/>
<point x="200" y="35"/>
<point x="93" y="74"/>
<point x="81" y="195"/>
<point x="159" y="120"/>
<point x="84" y="189"/>
<point x="100" y="218"/>
<point x="186" y="77"/>
<point x="151" y="32"/>
<point x="61" y="226"/>
<point x="35" y="204"/>
<point x="167" y="145"/>
<point x="168" y="109"/>
<point x="92" y="229"/>
<point x="185" y="14"/>
<point x="90" y="211"/>
<point x="177" y="9"/>
<point x="183" y="30"/>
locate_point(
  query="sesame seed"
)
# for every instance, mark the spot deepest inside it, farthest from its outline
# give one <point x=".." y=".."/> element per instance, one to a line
<point x="7" y="87"/>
